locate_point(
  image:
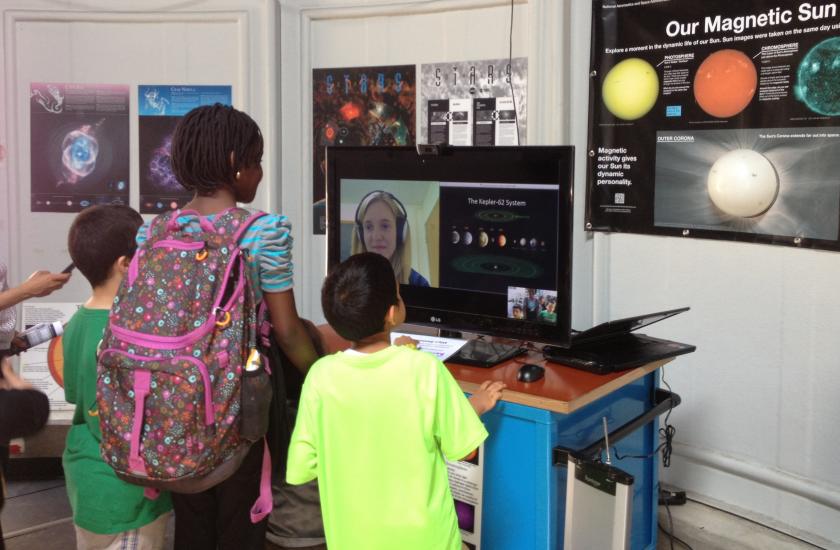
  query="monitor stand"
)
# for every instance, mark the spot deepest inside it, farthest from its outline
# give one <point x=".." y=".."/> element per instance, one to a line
<point x="485" y="354"/>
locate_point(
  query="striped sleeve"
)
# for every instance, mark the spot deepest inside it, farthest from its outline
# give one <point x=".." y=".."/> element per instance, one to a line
<point x="141" y="233"/>
<point x="270" y="241"/>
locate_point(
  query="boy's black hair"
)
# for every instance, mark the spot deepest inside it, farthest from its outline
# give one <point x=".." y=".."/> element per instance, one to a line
<point x="99" y="236"/>
<point x="357" y="294"/>
<point x="203" y="141"/>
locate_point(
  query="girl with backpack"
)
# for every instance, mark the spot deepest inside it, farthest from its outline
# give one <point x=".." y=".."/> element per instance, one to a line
<point x="216" y="153"/>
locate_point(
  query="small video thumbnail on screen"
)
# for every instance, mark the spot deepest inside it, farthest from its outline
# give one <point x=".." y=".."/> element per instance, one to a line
<point x="532" y="304"/>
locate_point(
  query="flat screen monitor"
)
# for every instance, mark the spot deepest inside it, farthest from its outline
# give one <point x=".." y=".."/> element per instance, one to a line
<point x="481" y="237"/>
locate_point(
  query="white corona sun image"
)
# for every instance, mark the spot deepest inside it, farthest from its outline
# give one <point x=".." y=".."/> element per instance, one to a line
<point x="743" y="183"/>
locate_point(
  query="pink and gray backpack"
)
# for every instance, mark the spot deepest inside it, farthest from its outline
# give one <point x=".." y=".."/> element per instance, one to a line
<point x="181" y="397"/>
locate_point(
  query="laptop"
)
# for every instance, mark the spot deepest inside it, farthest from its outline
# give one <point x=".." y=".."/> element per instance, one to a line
<point x="612" y="346"/>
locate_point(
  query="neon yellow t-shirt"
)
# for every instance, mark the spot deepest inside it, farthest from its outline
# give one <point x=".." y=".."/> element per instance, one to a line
<point x="374" y="429"/>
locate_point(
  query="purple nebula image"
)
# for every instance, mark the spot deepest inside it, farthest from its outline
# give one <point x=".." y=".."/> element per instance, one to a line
<point x="160" y="166"/>
<point x="79" y="150"/>
<point x="466" y="515"/>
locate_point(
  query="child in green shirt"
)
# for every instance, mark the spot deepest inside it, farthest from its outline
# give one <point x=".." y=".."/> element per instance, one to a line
<point x="107" y="512"/>
<point x="376" y="421"/>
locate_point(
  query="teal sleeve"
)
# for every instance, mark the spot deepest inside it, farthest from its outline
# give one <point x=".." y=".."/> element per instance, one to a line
<point x="457" y="426"/>
<point x="270" y="241"/>
<point x="302" y="464"/>
<point x="140" y="238"/>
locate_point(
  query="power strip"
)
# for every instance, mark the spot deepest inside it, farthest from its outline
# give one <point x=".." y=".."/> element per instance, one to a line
<point x="671" y="498"/>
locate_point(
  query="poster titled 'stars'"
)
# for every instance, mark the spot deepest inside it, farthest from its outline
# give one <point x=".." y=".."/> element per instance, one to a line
<point x="358" y="106"/>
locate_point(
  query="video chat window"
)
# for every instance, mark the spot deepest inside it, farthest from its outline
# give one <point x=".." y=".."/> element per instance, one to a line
<point x="395" y="218"/>
<point x="532" y="304"/>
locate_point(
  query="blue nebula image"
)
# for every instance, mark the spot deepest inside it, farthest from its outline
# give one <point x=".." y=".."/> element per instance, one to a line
<point x="160" y="167"/>
<point x="818" y="78"/>
<point x="79" y="151"/>
<point x="120" y="185"/>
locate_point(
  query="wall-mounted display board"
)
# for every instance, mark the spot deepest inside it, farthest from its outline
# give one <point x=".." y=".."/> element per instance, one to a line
<point x="716" y="119"/>
<point x="474" y="102"/>
<point x="159" y="109"/>
<point x="358" y="106"/>
<point x="79" y="146"/>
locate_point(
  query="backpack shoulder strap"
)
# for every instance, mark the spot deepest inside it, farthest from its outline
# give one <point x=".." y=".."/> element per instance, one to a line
<point x="158" y="227"/>
<point x="236" y="222"/>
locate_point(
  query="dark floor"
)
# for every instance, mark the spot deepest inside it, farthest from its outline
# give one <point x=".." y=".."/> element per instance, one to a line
<point x="37" y="515"/>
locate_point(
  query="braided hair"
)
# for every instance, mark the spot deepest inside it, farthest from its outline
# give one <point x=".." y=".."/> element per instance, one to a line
<point x="203" y="142"/>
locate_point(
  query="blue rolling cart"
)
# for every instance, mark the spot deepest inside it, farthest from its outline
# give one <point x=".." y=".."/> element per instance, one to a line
<point x="524" y="494"/>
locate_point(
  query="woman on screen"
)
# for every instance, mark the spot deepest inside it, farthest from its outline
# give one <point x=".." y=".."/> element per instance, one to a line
<point x="382" y="227"/>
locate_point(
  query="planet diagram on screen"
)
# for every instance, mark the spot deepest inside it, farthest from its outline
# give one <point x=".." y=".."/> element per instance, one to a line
<point x="725" y="83"/>
<point x="487" y="264"/>
<point x="743" y="183"/>
<point x="630" y="89"/>
<point x="818" y="78"/>
<point x="499" y="216"/>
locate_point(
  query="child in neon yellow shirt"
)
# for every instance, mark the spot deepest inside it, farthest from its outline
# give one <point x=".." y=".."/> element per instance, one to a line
<point x="376" y="421"/>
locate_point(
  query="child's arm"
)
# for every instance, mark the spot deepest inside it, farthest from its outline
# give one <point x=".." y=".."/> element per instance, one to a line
<point x="406" y="340"/>
<point x="291" y="335"/>
<point x="483" y="400"/>
<point x="487" y="396"/>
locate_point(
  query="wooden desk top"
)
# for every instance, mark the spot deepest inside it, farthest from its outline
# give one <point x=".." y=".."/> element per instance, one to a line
<point x="562" y="389"/>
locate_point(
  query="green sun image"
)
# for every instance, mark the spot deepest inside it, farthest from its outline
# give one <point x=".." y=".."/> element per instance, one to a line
<point x="818" y="78"/>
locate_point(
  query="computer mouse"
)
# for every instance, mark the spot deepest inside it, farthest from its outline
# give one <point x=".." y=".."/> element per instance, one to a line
<point x="529" y="372"/>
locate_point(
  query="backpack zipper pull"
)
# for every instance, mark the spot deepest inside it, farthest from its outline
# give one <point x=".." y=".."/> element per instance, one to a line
<point x="254" y="361"/>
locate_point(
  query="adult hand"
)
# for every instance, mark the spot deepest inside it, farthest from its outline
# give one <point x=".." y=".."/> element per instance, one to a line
<point x="10" y="380"/>
<point x="43" y="283"/>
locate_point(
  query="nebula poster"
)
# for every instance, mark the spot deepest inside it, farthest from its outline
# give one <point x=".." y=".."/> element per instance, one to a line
<point x="358" y="106"/>
<point x="466" y="482"/>
<point x="79" y="146"/>
<point x="481" y="102"/>
<point x="716" y="120"/>
<point x="159" y="109"/>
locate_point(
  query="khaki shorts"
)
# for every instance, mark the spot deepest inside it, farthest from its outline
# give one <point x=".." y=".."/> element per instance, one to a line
<point x="149" y="537"/>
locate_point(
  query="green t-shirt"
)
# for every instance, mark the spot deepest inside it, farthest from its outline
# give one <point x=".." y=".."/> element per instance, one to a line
<point x="374" y="429"/>
<point x="101" y="502"/>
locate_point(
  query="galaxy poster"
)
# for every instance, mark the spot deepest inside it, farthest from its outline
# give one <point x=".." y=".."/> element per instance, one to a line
<point x="79" y="143"/>
<point x="446" y="87"/>
<point x="466" y="482"/>
<point x="716" y="120"/>
<point x="159" y="109"/>
<point x="358" y="106"/>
